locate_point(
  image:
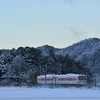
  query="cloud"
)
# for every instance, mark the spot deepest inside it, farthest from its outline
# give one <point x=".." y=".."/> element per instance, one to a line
<point x="77" y="34"/>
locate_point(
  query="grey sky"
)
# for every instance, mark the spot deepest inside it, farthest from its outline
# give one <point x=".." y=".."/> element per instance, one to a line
<point x="59" y="23"/>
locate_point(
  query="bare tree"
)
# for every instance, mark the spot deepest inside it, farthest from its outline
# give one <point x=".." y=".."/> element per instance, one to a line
<point x="19" y="66"/>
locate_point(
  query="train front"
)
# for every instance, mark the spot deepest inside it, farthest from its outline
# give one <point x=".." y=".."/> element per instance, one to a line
<point x="82" y="79"/>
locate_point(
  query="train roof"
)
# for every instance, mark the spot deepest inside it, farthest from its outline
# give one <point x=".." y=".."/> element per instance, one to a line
<point x="53" y="75"/>
<point x="48" y="75"/>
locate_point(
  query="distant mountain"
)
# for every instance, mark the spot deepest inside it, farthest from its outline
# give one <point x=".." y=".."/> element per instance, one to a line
<point x="86" y="51"/>
<point x="45" y="49"/>
<point x="28" y="62"/>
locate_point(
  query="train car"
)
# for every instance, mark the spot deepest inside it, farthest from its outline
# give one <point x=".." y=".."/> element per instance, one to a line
<point x="62" y="79"/>
<point x="46" y="79"/>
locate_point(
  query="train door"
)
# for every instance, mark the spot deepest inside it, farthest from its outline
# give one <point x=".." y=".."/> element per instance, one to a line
<point x="57" y="80"/>
<point x="54" y="80"/>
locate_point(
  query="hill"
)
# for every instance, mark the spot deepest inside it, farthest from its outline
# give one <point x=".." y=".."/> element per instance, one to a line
<point x="86" y="51"/>
<point x="27" y="63"/>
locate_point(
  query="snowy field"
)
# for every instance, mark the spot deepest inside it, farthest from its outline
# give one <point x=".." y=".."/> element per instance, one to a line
<point x="42" y="93"/>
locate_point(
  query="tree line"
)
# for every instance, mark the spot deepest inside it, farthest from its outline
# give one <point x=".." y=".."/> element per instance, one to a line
<point x="26" y="63"/>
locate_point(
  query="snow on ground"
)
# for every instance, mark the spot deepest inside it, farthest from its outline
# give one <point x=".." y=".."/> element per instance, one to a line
<point x="42" y="93"/>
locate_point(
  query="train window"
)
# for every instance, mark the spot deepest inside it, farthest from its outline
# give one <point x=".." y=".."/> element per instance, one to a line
<point x="74" y="79"/>
<point x="62" y="79"/>
<point x="59" y="79"/>
<point x="69" y="79"/>
<point x="48" y="79"/>
<point x="41" y="79"/>
<point x="82" y="78"/>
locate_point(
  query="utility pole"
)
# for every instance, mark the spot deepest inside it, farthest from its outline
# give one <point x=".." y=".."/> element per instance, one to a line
<point x="45" y="79"/>
<point x="40" y="68"/>
<point x="59" y="69"/>
<point x="45" y="73"/>
<point x="19" y="77"/>
<point x="7" y="76"/>
<point x="95" y="73"/>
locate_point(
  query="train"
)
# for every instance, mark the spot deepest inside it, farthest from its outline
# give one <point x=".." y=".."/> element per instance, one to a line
<point x="71" y="79"/>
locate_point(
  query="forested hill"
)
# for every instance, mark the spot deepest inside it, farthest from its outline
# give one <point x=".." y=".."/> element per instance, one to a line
<point x="85" y="51"/>
<point x="29" y="62"/>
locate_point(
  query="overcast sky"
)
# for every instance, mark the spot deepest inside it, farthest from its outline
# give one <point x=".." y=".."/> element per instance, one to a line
<point x="59" y="23"/>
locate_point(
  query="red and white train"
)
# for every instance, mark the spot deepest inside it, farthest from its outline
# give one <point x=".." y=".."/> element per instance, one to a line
<point x="62" y="79"/>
